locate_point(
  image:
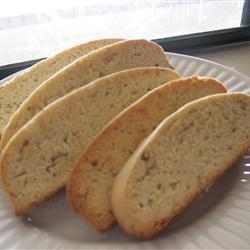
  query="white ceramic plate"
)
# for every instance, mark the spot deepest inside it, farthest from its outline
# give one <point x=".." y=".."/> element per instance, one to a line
<point x="219" y="219"/>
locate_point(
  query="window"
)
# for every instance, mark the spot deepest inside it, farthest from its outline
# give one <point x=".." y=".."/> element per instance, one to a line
<point x="34" y="29"/>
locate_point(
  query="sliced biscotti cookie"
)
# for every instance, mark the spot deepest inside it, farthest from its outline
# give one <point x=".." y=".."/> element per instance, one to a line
<point x="89" y="186"/>
<point x="38" y="159"/>
<point x="187" y="152"/>
<point x="119" y="56"/>
<point x="15" y="91"/>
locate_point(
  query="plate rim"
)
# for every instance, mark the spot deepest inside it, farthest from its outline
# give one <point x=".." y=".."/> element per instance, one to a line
<point x="97" y="244"/>
<point x="209" y="62"/>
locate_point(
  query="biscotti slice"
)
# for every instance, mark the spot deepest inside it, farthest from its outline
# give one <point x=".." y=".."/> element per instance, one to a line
<point x="119" y="56"/>
<point x="15" y="91"/>
<point x="187" y="152"/>
<point x="89" y="186"/>
<point x="38" y="159"/>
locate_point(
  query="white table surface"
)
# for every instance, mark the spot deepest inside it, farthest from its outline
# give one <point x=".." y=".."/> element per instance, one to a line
<point x="235" y="57"/>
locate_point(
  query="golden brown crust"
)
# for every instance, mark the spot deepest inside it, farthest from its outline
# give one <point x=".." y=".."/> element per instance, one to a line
<point x="112" y="58"/>
<point x="38" y="159"/>
<point x="16" y="90"/>
<point x="109" y="150"/>
<point x="153" y="231"/>
<point x="8" y="192"/>
<point x="139" y="224"/>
